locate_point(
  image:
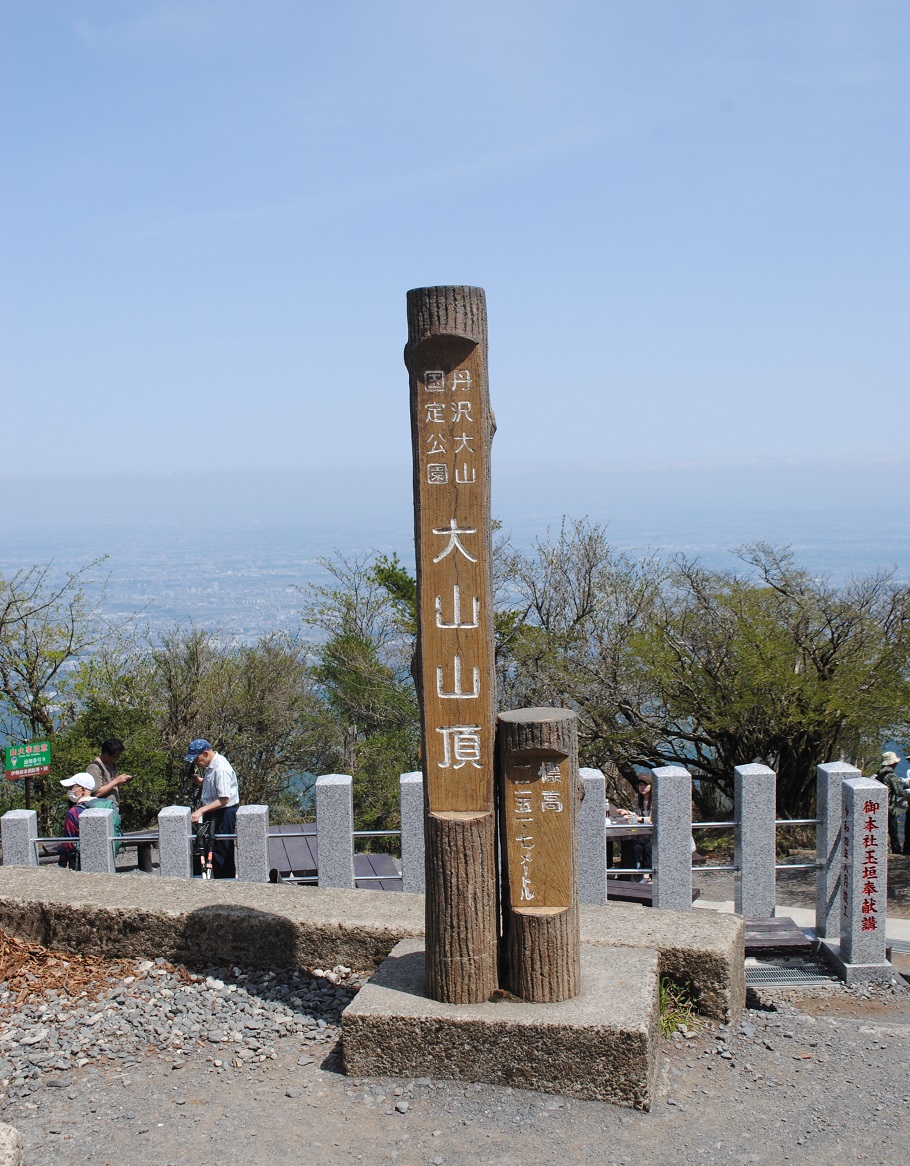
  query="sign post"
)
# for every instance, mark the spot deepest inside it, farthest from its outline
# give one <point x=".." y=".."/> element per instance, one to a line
<point x="27" y="761"/>
<point x="538" y="796"/>
<point x="451" y="429"/>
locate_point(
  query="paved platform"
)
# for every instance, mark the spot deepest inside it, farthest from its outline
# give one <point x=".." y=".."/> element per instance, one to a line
<point x="269" y="925"/>
<point x="804" y="916"/>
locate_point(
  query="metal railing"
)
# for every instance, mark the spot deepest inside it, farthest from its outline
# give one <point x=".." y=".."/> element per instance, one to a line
<point x="36" y="842"/>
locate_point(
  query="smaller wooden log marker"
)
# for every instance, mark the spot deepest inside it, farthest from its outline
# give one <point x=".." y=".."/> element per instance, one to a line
<point x="537" y="753"/>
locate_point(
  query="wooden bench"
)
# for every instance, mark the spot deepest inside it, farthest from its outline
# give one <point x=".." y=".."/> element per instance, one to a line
<point x="140" y="839"/>
<point x="781" y="935"/>
<point x="298" y="857"/>
<point x="144" y="843"/>
<point x="620" y="891"/>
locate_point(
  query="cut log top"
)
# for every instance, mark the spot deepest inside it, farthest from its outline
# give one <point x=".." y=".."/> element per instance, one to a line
<point x="538" y="728"/>
<point x="446" y="311"/>
<point x="522" y="716"/>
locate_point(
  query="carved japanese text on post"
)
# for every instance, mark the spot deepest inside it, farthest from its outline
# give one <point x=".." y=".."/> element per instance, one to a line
<point x="451" y="427"/>
<point x="538" y="830"/>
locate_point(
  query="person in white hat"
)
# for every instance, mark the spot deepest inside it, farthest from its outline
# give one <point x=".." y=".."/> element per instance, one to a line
<point x="897" y="800"/>
<point x="80" y="789"/>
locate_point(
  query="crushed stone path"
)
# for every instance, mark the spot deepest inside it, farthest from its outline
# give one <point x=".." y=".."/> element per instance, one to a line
<point x="233" y="1067"/>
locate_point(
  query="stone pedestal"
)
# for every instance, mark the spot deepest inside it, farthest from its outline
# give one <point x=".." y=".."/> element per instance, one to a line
<point x="19" y="830"/>
<point x="96" y="837"/>
<point x="591" y="844"/>
<point x="253" y="844"/>
<point x="754" y="809"/>
<point x="175" y="842"/>
<point x="413" y="857"/>
<point x="602" y="1044"/>
<point x="335" y="829"/>
<point x="672" y="849"/>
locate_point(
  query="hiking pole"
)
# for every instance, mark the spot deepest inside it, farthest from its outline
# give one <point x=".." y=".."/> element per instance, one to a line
<point x="211" y="846"/>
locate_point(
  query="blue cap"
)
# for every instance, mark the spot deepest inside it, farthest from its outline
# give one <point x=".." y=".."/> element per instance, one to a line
<point x="196" y="747"/>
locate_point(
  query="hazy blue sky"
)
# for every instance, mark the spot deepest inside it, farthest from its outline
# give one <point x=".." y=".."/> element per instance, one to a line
<point x="691" y="221"/>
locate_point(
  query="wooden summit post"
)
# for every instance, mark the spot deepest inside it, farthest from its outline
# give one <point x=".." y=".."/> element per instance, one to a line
<point x="538" y="795"/>
<point x="451" y="430"/>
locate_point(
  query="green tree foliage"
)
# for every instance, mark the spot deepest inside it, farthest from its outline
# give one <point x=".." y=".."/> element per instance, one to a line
<point x="47" y="626"/>
<point x="257" y="705"/>
<point x="665" y="662"/>
<point x="366" y="621"/>
<point x="675" y="663"/>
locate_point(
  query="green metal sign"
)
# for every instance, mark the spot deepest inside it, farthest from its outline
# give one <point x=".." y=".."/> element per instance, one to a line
<point x="30" y="760"/>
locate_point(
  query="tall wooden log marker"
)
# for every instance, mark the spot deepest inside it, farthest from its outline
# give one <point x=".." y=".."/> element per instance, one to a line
<point x="451" y="429"/>
<point x="538" y="791"/>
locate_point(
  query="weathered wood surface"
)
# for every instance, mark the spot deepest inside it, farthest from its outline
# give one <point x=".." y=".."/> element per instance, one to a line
<point x="779" y="934"/>
<point x="451" y="429"/>
<point x="461" y="907"/>
<point x="300" y="856"/>
<point x="537" y="752"/>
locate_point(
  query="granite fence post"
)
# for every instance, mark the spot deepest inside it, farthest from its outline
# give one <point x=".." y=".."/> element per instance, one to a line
<point x="253" y="844"/>
<point x="19" y="829"/>
<point x="334" y="830"/>
<point x="829" y="876"/>
<point x="755" y="811"/>
<point x="672" y="816"/>
<point x="864" y="844"/>
<point x="413" y="875"/>
<point x="591" y="859"/>
<point x="96" y="837"/>
<point x="175" y="842"/>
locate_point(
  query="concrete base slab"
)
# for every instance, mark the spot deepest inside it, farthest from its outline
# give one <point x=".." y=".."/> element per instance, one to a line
<point x="601" y="1045"/>
<point x="855" y="973"/>
<point x="706" y="951"/>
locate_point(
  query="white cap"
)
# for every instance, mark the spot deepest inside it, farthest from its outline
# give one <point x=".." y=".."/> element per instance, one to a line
<point x="84" y="779"/>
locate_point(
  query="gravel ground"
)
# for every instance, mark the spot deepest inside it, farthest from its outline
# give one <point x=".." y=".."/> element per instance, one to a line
<point x="233" y="1068"/>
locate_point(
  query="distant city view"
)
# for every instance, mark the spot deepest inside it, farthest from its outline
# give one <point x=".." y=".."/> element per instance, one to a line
<point x="241" y="578"/>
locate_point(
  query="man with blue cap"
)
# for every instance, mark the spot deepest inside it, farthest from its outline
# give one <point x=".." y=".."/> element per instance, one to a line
<point x="220" y="799"/>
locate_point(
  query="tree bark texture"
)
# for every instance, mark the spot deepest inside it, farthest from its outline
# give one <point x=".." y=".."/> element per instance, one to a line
<point x="539" y="789"/>
<point x="461" y="907"/>
<point x="451" y="429"/>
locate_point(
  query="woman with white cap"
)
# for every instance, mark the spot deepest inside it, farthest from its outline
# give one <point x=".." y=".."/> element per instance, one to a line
<point x="80" y="789"/>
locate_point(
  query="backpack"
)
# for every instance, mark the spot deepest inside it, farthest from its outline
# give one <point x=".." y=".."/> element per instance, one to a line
<point x="109" y="804"/>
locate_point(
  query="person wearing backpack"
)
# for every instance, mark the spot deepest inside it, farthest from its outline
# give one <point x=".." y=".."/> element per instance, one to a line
<point x="105" y="770"/>
<point x="81" y="792"/>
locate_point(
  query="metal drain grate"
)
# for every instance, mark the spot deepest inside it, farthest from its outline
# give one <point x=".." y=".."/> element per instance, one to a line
<point x="806" y="973"/>
<point x="901" y="945"/>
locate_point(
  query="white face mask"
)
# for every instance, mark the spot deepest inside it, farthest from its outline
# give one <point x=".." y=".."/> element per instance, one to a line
<point x="73" y="796"/>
